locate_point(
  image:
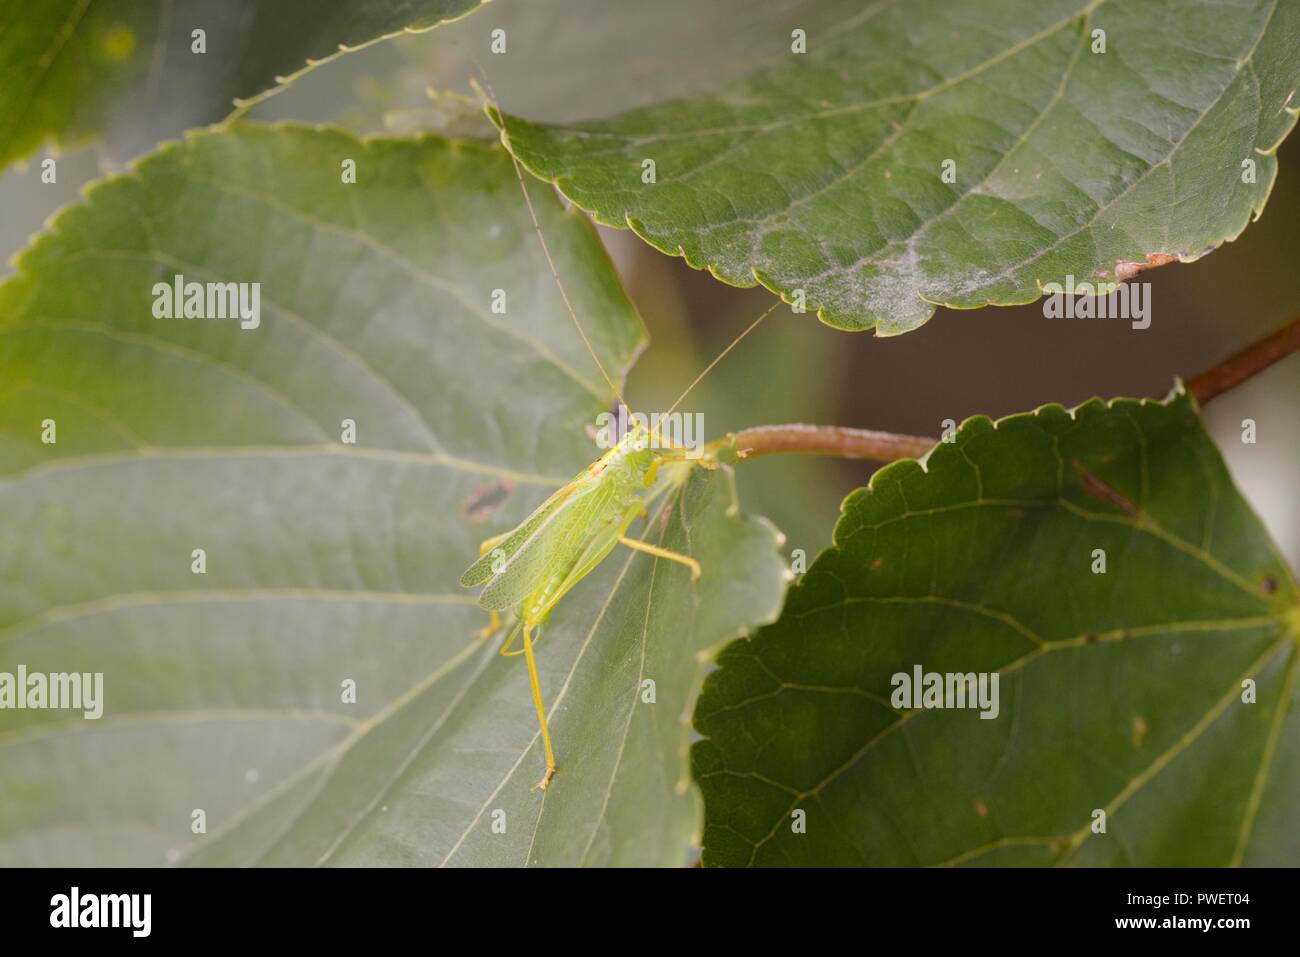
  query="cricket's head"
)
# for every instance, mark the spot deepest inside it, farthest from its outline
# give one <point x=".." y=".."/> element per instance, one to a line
<point x="638" y="445"/>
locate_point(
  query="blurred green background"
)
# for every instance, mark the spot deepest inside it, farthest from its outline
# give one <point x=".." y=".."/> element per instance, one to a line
<point x="576" y="58"/>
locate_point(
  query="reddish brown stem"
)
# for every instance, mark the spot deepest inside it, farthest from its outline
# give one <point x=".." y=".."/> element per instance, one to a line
<point x="1253" y="359"/>
<point x="830" y="440"/>
<point x="848" y="443"/>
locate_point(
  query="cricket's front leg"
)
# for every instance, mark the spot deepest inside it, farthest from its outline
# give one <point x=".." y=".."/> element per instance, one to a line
<point x="704" y="458"/>
<point x="637" y="545"/>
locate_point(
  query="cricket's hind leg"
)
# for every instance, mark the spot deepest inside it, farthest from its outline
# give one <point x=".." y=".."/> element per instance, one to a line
<point x="545" y="782"/>
<point x="525" y="628"/>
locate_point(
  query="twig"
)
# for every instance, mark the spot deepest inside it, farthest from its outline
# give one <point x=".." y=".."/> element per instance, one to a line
<point x="1249" y="361"/>
<point x="848" y="443"/>
<point x="834" y="440"/>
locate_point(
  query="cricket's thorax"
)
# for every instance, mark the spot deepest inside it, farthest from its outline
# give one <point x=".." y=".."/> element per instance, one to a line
<point x="630" y="459"/>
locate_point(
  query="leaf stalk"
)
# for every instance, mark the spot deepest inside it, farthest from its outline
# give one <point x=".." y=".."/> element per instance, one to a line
<point x="1250" y="361"/>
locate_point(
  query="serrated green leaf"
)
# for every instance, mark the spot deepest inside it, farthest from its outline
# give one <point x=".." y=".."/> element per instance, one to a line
<point x="328" y="562"/>
<point x="1120" y="691"/>
<point x="823" y="172"/>
<point x="73" y="69"/>
<point x="592" y="70"/>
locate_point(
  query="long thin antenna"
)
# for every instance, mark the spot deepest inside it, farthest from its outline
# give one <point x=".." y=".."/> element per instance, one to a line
<point x="709" y="368"/>
<point x="532" y="213"/>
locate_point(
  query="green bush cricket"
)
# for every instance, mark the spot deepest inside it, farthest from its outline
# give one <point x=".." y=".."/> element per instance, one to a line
<point x="526" y="571"/>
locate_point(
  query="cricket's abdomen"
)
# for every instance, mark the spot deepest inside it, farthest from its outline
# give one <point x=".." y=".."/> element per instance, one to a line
<point x="538" y="605"/>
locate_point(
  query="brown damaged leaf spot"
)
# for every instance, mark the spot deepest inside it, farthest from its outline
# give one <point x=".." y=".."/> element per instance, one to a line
<point x="1100" y="490"/>
<point x="1124" y="270"/>
<point x="486" y="499"/>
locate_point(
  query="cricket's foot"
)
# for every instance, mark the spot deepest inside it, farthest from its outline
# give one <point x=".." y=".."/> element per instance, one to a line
<point x="545" y="782"/>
